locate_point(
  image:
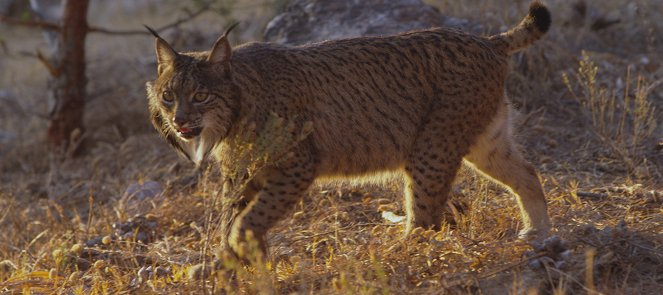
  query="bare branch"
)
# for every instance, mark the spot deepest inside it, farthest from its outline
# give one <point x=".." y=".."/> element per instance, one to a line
<point x="44" y="25"/>
<point x="100" y="30"/>
<point x="52" y="69"/>
<point x="55" y="72"/>
<point x="105" y="31"/>
<point x="191" y="16"/>
<point x="176" y="23"/>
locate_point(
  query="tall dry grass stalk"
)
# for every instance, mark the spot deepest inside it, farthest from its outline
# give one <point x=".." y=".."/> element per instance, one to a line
<point x="623" y="120"/>
<point x="250" y="151"/>
<point x="245" y="155"/>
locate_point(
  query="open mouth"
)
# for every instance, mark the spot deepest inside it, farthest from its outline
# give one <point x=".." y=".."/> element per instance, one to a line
<point x="189" y="133"/>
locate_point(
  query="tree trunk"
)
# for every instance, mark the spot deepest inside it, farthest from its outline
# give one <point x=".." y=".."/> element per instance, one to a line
<point x="67" y="85"/>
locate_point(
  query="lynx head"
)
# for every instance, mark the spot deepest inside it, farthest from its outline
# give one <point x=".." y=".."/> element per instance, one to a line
<point x="193" y="102"/>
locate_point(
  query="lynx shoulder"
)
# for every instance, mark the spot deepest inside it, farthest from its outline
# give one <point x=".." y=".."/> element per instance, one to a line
<point x="417" y="104"/>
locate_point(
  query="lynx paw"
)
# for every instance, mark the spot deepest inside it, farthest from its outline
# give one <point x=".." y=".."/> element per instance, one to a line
<point x="534" y="233"/>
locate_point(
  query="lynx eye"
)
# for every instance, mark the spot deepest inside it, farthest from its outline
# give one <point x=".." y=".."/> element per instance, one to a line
<point x="168" y="96"/>
<point x="200" y="96"/>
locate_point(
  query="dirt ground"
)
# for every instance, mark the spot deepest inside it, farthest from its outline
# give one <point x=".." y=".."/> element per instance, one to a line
<point x="589" y="100"/>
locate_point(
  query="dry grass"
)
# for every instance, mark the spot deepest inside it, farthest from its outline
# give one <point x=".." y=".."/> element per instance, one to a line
<point x="593" y="135"/>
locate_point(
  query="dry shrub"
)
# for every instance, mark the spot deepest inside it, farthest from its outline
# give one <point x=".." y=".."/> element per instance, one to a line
<point x="623" y="121"/>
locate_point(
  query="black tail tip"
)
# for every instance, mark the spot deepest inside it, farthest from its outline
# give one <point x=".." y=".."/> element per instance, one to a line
<point x="541" y="16"/>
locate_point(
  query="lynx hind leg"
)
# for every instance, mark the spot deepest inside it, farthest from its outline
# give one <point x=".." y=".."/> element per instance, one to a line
<point x="495" y="154"/>
<point x="429" y="174"/>
<point x="281" y="189"/>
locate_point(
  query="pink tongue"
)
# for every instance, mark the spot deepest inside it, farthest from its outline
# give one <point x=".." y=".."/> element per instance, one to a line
<point x="185" y="130"/>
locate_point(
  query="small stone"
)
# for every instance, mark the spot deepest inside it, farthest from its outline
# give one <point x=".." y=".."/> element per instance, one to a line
<point x="148" y="189"/>
<point x="552" y="241"/>
<point x="93" y="242"/>
<point x="545" y="260"/>
<point x="129" y="236"/>
<point x="151" y="225"/>
<point x="106" y="240"/>
<point x="535" y="264"/>
<point x="588" y="229"/>
<point x="141" y="237"/>
<point x="392" y="217"/>
<point x="621" y="226"/>
<point x="82" y="264"/>
<point x="552" y="245"/>
<point x="537" y="246"/>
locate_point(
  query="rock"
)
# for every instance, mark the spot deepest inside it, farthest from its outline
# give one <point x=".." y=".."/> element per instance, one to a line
<point x="141" y="229"/>
<point x="304" y="21"/>
<point x="136" y="197"/>
<point x="142" y="191"/>
<point x="553" y="251"/>
<point x="96" y="241"/>
<point x="7" y="137"/>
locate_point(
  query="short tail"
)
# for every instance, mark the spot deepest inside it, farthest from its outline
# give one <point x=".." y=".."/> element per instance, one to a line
<point x="530" y="29"/>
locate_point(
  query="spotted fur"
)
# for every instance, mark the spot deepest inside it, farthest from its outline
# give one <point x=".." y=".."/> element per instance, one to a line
<point x="415" y="104"/>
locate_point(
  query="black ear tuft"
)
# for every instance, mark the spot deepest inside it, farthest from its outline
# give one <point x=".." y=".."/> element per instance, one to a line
<point x="541" y="16"/>
<point x="153" y="32"/>
<point x="230" y="29"/>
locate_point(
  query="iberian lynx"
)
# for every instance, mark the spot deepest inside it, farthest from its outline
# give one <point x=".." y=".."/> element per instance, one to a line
<point x="416" y="103"/>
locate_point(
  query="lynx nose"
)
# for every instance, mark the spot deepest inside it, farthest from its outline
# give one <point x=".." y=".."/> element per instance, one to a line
<point x="179" y="121"/>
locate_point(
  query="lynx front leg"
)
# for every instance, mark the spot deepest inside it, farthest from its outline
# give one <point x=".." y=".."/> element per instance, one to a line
<point x="282" y="187"/>
<point x="429" y="173"/>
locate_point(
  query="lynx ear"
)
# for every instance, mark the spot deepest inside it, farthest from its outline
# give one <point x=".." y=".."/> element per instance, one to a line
<point x="165" y="54"/>
<point x="221" y="52"/>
